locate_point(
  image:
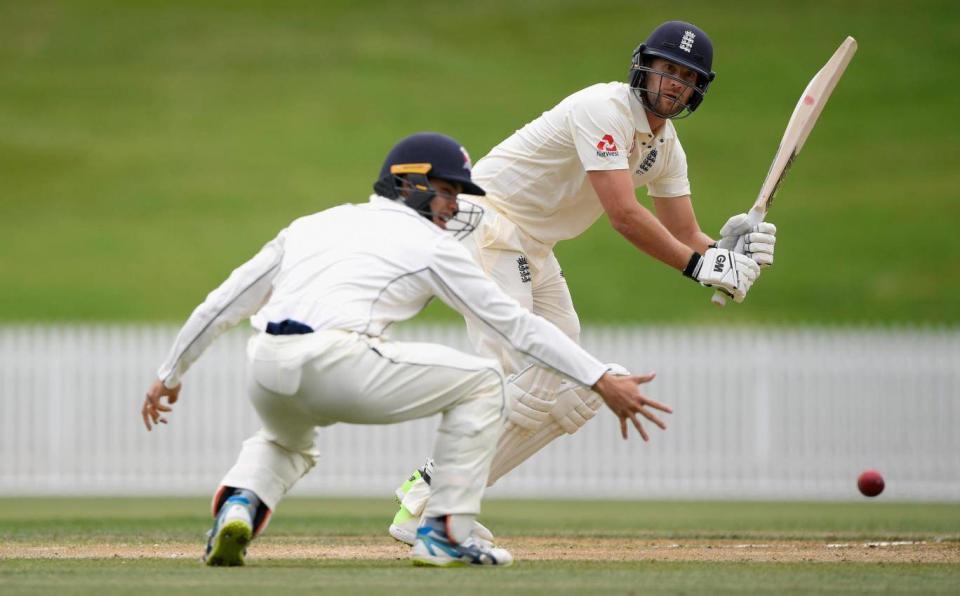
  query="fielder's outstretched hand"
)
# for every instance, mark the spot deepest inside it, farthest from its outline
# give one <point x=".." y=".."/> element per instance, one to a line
<point x="622" y="395"/>
<point x="153" y="406"/>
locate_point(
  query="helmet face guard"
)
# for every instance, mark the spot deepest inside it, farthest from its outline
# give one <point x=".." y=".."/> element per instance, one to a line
<point x="465" y="220"/>
<point x="650" y="97"/>
<point x="409" y="183"/>
<point x="683" y="44"/>
<point x="416" y="160"/>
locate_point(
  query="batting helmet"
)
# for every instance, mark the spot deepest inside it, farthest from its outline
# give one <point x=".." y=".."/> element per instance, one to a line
<point x="679" y="42"/>
<point x="413" y="161"/>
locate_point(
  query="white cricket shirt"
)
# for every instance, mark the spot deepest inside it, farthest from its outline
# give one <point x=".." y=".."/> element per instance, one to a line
<point x="360" y="268"/>
<point x="537" y="177"/>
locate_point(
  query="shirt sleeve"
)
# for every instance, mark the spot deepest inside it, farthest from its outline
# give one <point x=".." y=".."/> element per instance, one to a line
<point x="461" y="284"/>
<point x="240" y="296"/>
<point x="601" y="134"/>
<point x="673" y="181"/>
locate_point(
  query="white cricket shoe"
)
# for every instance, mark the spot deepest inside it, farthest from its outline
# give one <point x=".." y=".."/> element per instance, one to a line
<point x="434" y="548"/>
<point x="404" y="529"/>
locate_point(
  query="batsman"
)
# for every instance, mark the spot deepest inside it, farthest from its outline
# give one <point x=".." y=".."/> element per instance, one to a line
<point x="550" y="181"/>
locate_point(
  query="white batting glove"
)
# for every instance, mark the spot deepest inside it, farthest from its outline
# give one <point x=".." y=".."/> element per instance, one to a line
<point x="724" y="270"/>
<point x="758" y="241"/>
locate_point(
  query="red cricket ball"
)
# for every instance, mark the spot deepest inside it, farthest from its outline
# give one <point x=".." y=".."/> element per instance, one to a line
<point x="870" y="483"/>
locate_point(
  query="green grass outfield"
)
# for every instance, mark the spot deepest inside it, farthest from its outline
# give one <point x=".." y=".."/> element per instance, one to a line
<point x="148" y="147"/>
<point x="61" y="524"/>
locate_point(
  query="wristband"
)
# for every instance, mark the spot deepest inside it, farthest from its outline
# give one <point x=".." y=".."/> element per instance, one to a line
<point x="693" y="266"/>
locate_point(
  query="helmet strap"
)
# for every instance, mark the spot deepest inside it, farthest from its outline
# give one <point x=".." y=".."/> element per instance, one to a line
<point x="417" y="192"/>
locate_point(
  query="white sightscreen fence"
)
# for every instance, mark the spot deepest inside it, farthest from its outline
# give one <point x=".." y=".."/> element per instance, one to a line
<point x="759" y="413"/>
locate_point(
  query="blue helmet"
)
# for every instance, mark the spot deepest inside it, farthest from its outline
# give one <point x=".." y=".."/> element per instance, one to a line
<point x="413" y="161"/>
<point x="679" y="42"/>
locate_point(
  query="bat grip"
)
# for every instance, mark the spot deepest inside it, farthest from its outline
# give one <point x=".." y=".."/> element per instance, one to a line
<point x="754" y="217"/>
<point x="719" y="296"/>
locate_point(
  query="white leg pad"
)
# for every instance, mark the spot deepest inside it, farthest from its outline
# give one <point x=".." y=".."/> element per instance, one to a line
<point x="531" y="394"/>
<point x="575" y="405"/>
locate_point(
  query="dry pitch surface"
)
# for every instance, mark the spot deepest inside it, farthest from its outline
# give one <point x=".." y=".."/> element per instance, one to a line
<point x="535" y="549"/>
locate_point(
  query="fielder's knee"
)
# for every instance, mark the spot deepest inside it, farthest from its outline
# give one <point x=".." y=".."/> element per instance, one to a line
<point x="482" y="405"/>
<point x="493" y="391"/>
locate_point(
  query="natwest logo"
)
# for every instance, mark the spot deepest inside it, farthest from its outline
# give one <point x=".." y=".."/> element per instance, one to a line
<point x="607" y="147"/>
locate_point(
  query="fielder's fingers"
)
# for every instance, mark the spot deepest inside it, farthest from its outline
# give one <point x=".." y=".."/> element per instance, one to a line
<point x="154" y="407"/>
<point x="145" y="416"/>
<point x="652" y="418"/>
<point x="639" y="427"/>
<point x="656" y="405"/>
<point x="623" y="428"/>
<point x="641" y="379"/>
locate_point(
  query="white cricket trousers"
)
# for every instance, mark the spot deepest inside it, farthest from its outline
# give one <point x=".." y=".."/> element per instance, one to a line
<point x="300" y="382"/>
<point x="528" y="272"/>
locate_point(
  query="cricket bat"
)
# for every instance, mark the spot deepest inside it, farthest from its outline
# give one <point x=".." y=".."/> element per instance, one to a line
<point x="801" y="122"/>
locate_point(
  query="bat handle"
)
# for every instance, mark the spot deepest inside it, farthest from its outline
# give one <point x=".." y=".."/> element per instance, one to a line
<point x="719" y="297"/>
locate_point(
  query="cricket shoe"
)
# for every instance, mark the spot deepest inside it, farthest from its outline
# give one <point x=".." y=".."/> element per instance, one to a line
<point x="405" y="523"/>
<point x="232" y="532"/>
<point x="434" y="548"/>
<point x="404" y="529"/>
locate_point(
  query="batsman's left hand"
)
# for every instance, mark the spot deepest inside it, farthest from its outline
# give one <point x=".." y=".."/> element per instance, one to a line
<point x="758" y="241"/>
<point x="153" y="407"/>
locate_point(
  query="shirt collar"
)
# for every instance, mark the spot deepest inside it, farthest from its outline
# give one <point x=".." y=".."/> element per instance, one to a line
<point x="641" y="124"/>
<point x="381" y="201"/>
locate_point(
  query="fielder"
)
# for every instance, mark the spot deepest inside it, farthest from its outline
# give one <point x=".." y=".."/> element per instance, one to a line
<point x="321" y="294"/>
<point x="549" y="182"/>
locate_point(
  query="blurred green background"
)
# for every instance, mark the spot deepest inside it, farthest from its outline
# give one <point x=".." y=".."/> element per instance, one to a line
<point x="148" y="147"/>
